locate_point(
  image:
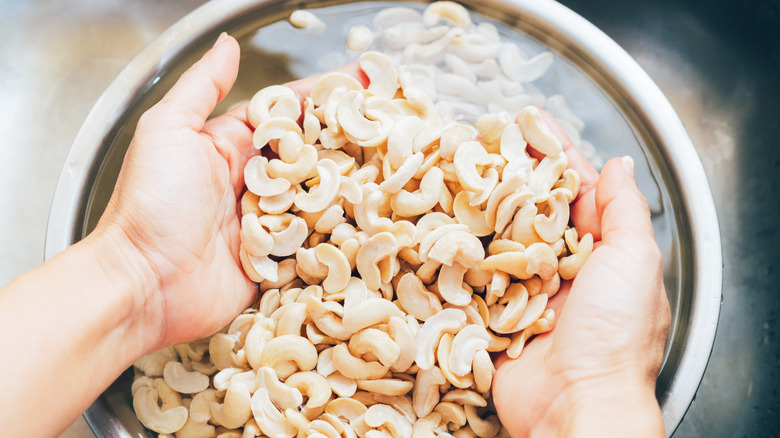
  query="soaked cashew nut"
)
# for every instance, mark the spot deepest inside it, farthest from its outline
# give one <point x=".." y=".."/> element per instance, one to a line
<point x="415" y="299"/>
<point x="339" y="270"/>
<point x="261" y="104"/>
<point x="289" y="348"/>
<point x="487" y="428"/>
<point x="269" y="418"/>
<point x="355" y="367"/>
<point x="376" y="342"/>
<point x="542" y="325"/>
<point x="283" y="396"/>
<point x="537" y="133"/>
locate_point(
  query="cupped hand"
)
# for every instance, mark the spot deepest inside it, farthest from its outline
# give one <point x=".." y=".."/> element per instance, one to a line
<point x="175" y="204"/>
<point x="612" y="319"/>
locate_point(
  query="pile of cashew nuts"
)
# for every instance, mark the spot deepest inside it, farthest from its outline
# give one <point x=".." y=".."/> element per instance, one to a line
<point x="395" y="251"/>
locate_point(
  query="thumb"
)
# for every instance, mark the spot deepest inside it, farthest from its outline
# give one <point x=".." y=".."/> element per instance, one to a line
<point x="623" y="210"/>
<point x="192" y="99"/>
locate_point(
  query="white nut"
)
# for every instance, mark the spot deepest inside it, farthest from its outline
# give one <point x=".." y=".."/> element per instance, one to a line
<point x="355" y="367"/>
<point x="301" y="19"/>
<point x="235" y="411"/>
<point x="384" y="416"/>
<point x="339" y="270"/>
<point x="321" y="197"/>
<point x="468" y="156"/>
<point x="259" y="108"/>
<point x="314" y="385"/>
<point x="269" y="418"/>
<point x="415" y="299"/>
<point x="446" y="321"/>
<point x="408" y="204"/>
<point x="359" y="38"/>
<point x="257" y="179"/>
<point x="467" y="342"/>
<point x="149" y="413"/>
<point x="181" y="380"/>
<point x="446" y="10"/>
<point x="382" y="74"/>
<point x="287" y="241"/>
<point x="289" y="348"/>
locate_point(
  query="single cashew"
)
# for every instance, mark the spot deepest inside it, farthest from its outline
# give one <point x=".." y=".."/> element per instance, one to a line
<point x="359" y="38"/>
<point x="569" y="266"/>
<point x="259" y="182"/>
<point x="376" y="342"/>
<point x="537" y="133"/>
<point x="339" y="270"/>
<point x="382" y="74"/>
<point x="301" y="19"/>
<point x="469" y="155"/>
<point x="313" y="385"/>
<point x="443" y="353"/>
<point x="321" y="197"/>
<point x="415" y="299"/>
<point x="285" y="273"/>
<point x="265" y="101"/>
<point x="287" y="241"/>
<point x="149" y="413"/>
<point x="517" y="298"/>
<point x="551" y="227"/>
<point x="395" y="182"/>
<point x="289" y="348"/>
<point x="466" y="343"/>
<point x="325" y="85"/>
<point x="483" y="371"/>
<point x="274" y="129"/>
<point x="471" y="216"/>
<point x="487" y="428"/>
<point x="370" y="312"/>
<point x="341" y="385"/>
<point x="537" y="259"/>
<point x="346" y="408"/>
<point x="546" y="174"/>
<point x="464" y="397"/>
<point x="409" y="204"/>
<point x="235" y="410"/>
<point x="259" y="335"/>
<point x="277" y="204"/>
<point x="452" y="416"/>
<point x="425" y="427"/>
<point x="269" y="418"/>
<point x="181" y="380"/>
<point x="386" y="386"/>
<point x="446" y="10"/>
<point x="457" y="247"/>
<point x="379" y="247"/>
<point x="254" y="237"/>
<point x="542" y="325"/>
<point x="446" y="321"/>
<point x="450" y="285"/>
<point x="152" y="364"/>
<point x="384" y="416"/>
<point x="297" y="170"/>
<point x="355" y="367"/>
<point x="405" y="337"/>
<point x="200" y="407"/>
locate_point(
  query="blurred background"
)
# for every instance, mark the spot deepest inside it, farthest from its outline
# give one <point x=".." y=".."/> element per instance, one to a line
<point x="718" y="63"/>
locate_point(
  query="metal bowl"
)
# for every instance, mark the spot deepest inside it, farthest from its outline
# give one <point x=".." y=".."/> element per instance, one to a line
<point x="624" y="110"/>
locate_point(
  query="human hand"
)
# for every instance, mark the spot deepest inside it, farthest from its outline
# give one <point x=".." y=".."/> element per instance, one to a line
<point x="595" y="373"/>
<point x="173" y="209"/>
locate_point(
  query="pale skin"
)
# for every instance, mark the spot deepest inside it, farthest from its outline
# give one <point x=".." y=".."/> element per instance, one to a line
<point x="162" y="268"/>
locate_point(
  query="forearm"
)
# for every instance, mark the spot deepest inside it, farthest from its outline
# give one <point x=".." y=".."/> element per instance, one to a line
<point x="618" y="406"/>
<point x="69" y="330"/>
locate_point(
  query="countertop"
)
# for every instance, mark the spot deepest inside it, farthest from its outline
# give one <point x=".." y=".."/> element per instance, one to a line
<point x="717" y="62"/>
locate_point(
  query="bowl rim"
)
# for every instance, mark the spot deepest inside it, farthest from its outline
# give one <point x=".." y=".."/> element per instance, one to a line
<point x="633" y="82"/>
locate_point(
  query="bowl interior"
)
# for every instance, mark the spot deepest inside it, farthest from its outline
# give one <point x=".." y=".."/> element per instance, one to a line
<point x="273" y="52"/>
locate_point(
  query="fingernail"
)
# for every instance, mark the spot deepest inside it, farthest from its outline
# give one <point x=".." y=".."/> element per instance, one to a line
<point x="222" y="37"/>
<point x="628" y="164"/>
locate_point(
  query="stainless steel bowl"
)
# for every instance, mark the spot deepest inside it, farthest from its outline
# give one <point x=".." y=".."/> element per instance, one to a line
<point x="625" y="112"/>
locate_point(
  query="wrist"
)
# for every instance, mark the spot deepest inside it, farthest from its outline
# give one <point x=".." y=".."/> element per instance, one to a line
<point x="621" y="404"/>
<point x="133" y="283"/>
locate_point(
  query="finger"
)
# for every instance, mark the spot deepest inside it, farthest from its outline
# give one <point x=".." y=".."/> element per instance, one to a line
<point x="302" y="87"/>
<point x="622" y="208"/>
<point x="194" y="96"/>
<point x="231" y="135"/>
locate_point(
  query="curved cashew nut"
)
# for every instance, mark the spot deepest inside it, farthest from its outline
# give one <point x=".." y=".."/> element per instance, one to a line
<point x="513" y="144"/>
<point x="255" y="238"/>
<point x="222" y="351"/>
<point x="339" y="270"/>
<point x="538" y="259"/>
<point x="323" y="429"/>
<point x="258" y="336"/>
<point x="290" y="318"/>
<point x="469" y="155"/>
<point x="287" y="241"/>
<point x="277" y="204"/>
<point x="301" y="19"/>
<point x="376" y="342"/>
<point x="415" y="299"/>
<point x="458" y="247"/>
<point x="370" y="312"/>
<point x="289" y="348"/>
<point x="321" y="197"/>
<point x="367" y="213"/>
<point x="341" y="385"/>
<point x="465" y="345"/>
<point x="200" y="407"/>
<point x="382" y="74"/>
<point x="517" y="297"/>
<point x="464" y="397"/>
<point x="569" y="266"/>
<point x="408" y="204"/>
<point x="326" y="320"/>
<point x="257" y="268"/>
<point x="537" y="133"/>
<point x="502" y="190"/>
<point x="550" y="228"/>
<point x="325" y="85"/>
<point x="483" y="371"/>
<point x="274" y="129"/>
<point x="448" y="10"/>
<point x="235" y="411"/>
<point x="542" y="325"/>
<point x="295" y="171"/>
<point x="452" y="415"/>
<point x="384" y="416"/>
<point x="152" y="364"/>
<point x="487" y="428"/>
<point x="181" y="380"/>
<point x="269" y="418"/>
<point x="259" y="182"/>
<point x="430" y="238"/>
<point x="425" y="426"/>
<point x="471" y="216"/>
<point x="259" y="108"/>
<point x="390" y="387"/>
<point x="346" y="408"/>
<point x="570" y="181"/>
<point x="443" y="353"/>
<point x="150" y="414"/>
<point x="355" y="367"/>
<point x="450" y="284"/>
<point x="314" y="385"/>
<point x="400" y="140"/>
<point x="405" y="337"/>
<point x="352" y="119"/>
<point x="546" y="174"/>
<point x="379" y="247"/>
<point x="395" y="182"/>
<point x="446" y="321"/>
<point x="533" y="311"/>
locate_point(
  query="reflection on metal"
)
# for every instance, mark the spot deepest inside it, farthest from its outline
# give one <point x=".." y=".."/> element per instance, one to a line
<point x="631" y="105"/>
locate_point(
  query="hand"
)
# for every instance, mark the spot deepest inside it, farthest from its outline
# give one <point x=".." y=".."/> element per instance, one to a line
<point x="594" y="374"/>
<point x="174" y="205"/>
